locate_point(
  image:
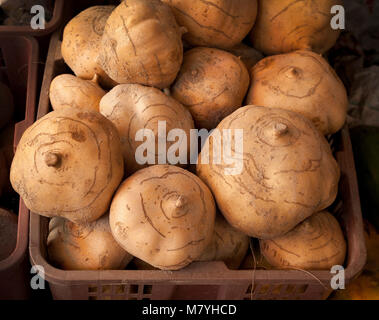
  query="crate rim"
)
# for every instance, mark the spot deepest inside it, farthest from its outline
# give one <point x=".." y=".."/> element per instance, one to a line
<point x="219" y="274"/>
<point x="196" y="273"/>
<point x="23" y="217"/>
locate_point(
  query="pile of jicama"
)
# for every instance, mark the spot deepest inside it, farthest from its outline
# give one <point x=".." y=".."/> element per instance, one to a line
<point x="182" y="62"/>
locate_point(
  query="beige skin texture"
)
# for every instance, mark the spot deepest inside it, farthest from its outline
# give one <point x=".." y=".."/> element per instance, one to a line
<point x="68" y="90"/>
<point x="288" y="174"/>
<point x="142" y="43"/>
<point x="6" y="105"/>
<point x="81" y="44"/>
<point x="8" y="233"/>
<point x="163" y="215"/>
<point x="288" y="25"/>
<point x="89" y="246"/>
<point x="303" y="82"/>
<point x="315" y="244"/>
<point x="68" y="164"/>
<point x="132" y="107"/>
<point x="212" y="84"/>
<point x="228" y="245"/>
<point x="215" y="23"/>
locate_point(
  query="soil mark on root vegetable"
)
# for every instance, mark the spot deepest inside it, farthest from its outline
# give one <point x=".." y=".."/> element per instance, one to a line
<point x="148" y="219"/>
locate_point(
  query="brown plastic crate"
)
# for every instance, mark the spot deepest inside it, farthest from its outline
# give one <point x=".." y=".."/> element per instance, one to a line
<point x="18" y="68"/>
<point x="51" y="26"/>
<point x="200" y="280"/>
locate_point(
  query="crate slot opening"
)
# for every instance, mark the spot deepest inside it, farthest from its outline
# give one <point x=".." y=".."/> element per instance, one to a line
<point x="147" y="289"/>
<point x="277" y="289"/>
<point x="92" y="289"/>
<point x="302" y="288"/>
<point x="264" y="289"/>
<point x="133" y="289"/>
<point x="120" y="289"/>
<point x="290" y="289"/>
<point x="106" y="289"/>
<point x="248" y="290"/>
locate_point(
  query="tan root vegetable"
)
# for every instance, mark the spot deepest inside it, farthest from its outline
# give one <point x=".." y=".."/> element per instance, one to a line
<point x="249" y="56"/>
<point x="81" y="43"/>
<point x="163" y="215"/>
<point x="8" y="233"/>
<point x="228" y="245"/>
<point x="303" y="82"/>
<point x="132" y="107"/>
<point x="68" y="90"/>
<point x="6" y="105"/>
<point x="287" y="25"/>
<point x="316" y="243"/>
<point x="212" y="84"/>
<point x="288" y="171"/>
<point x="68" y="164"/>
<point x="85" y="247"/>
<point x="142" y="43"/>
<point x="215" y="23"/>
